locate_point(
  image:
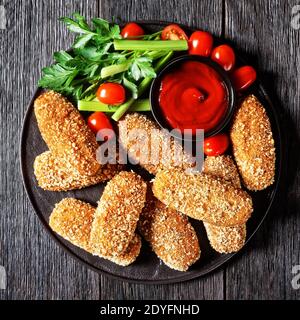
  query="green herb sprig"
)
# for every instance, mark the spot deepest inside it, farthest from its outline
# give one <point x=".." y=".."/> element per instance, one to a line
<point x="93" y="60"/>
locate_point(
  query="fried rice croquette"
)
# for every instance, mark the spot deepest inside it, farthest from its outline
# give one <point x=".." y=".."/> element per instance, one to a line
<point x="203" y="197"/>
<point x="66" y="133"/>
<point x="224" y="239"/>
<point x="253" y="145"/>
<point x="117" y="213"/>
<point x="223" y="167"/>
<point x="169" y="233"/>
<point x="56" y="174"/>
<point x="138" y="135"/>
<point x="72" y="219"/>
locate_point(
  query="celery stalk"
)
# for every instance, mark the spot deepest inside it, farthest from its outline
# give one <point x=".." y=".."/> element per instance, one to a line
<point x="95" y="105"/>
<point x="143" y="86"/>
<point x="122" y="109"/>
<point x="142" y="45"/>
<point x="113" y="69"/>
<point x="155" y="54"/>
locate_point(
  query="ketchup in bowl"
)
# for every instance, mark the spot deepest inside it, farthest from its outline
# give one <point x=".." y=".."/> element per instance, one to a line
<point x="193" y="96"/>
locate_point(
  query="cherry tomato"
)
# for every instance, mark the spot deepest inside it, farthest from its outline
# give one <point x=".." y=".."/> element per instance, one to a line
<point x="216" y="145"/>
<point x="99" y="121"/>
<point x="173" y="32"/>
<point x="201" y="43"/>
<point x="132" y="30"/>
<point x="224" y="56"/>
<point x="111" y="93"/>
<point x="243" y="77"/>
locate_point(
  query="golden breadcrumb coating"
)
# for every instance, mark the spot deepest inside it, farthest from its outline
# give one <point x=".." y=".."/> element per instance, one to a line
<point x="170" y="234"/>
<point x="223" y="167"/>
<point x="72" y="219"/>
<point x="117" y="213"/>
<point x="224" y="239"/>
<point x="56" y="173"/>
<point x="203" y="197"/>
<point x="253" y="145"/>
<point x="129" y="255"/>
<point x="154" y="137"/>
<point x="65" y="132"/>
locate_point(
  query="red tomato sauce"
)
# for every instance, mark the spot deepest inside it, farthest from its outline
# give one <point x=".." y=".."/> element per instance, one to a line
<point x="193" y="96"/>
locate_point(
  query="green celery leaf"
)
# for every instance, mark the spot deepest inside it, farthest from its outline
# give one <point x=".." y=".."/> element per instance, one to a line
<point x="104" y="49"/>
<point x="143" y="59"/>
<point x="135" y="71"/>
<point x="78" y="92"/>
<point x="102" y="26"/>
<point x="77" y="63"/>
<point x="131" y="86"/>
<point x="81" y="21"/>
<point x="81" y="41"/>
<point x="89" y="52"/>
<point x="115" y="32"/>
<point x="62" y="56"/>
<point x="55" y="77"/>
<point x="147" y="70"/>
<point x="74" y="26"/>
<point x="94" y="70"/>
<point x="142" y="68"/>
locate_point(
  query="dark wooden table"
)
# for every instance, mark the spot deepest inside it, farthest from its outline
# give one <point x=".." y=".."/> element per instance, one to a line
<point x="36" y="267"/>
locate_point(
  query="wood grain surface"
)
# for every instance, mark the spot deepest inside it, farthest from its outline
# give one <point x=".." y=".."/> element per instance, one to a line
<point x="36" y="267"/>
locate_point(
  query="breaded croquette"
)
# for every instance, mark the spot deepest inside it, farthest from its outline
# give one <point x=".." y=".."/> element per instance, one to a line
<point x="149" y="137"/>
<point x="253" y="145"/>
<point x="224" y="239"/>
<point x="56" y="174"/>
<point x="72" y="219"/>
<point x="170" y="234"/>
<point x="117" y="213"/>
<point x="66" y="133"/>
<point x="129" y="255"/>
<point x="223" y="167"/>
<point x="203" y="197"/>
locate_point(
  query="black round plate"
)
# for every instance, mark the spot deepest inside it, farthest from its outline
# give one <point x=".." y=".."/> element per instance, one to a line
<point x="148" y="268"/>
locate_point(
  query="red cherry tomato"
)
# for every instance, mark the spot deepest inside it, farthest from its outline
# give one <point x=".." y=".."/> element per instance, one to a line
<point x="201" y="43"/>
<point x="173" y="32"/>
<point x="99" y="121"/>
<point x="132" y="30"/>
<point x="224" y="56"/>
<point x="243" y="77"/>
<point x="216" y="145"/>
<point x="111" y="93"/>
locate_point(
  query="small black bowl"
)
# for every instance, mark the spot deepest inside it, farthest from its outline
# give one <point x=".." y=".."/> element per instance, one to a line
<point x="155" y="89"/>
